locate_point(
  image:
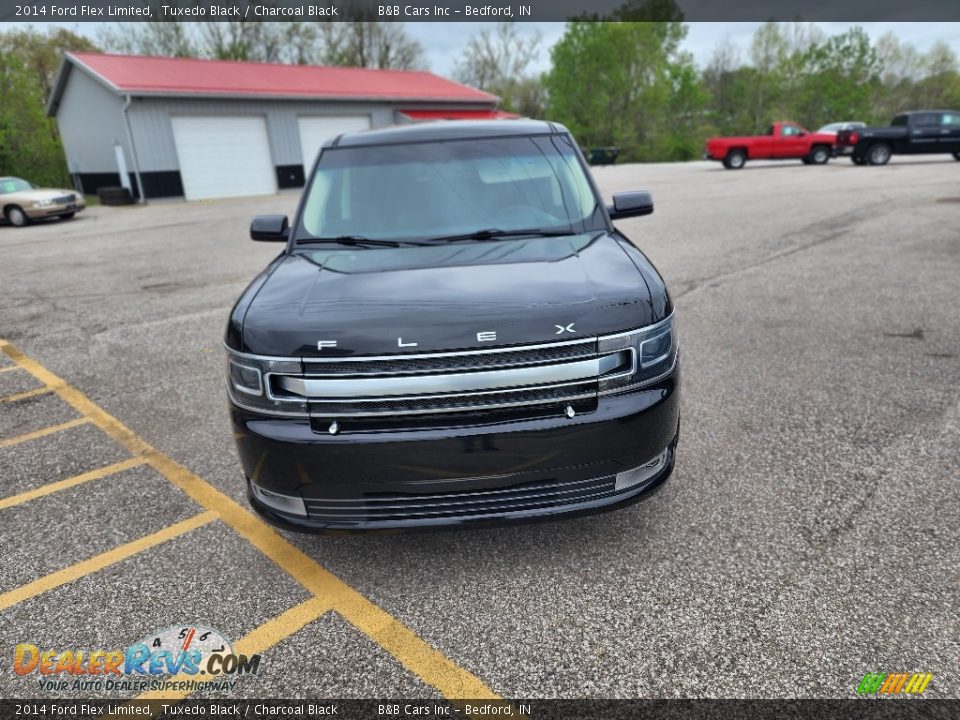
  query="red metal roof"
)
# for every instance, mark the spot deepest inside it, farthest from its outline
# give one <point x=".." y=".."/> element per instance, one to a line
<point x="458" y="115"/>
<point x="187" y="76"/>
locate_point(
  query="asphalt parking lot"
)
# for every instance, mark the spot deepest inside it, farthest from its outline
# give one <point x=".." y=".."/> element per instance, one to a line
<point x="810" y="532"/>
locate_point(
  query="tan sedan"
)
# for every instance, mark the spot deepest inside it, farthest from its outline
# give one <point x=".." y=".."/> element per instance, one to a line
<point x="22" y="202"/>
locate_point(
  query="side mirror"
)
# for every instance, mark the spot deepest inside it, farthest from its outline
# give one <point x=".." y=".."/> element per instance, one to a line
<point x="631" y="204"/>
<point x="269" y="228"/>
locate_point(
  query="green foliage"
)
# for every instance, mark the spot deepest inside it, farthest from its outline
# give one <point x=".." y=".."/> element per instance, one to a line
<point x="29" y="141"/>
<point x="613" y="84"/>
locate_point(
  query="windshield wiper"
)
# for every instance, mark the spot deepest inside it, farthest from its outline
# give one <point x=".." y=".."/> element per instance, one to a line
<point x="495" y="233"/>
<point x="355" y="241"/>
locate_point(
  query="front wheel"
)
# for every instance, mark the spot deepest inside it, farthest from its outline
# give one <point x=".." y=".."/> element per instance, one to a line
<point x="735" y="160"/>
<point x="16" y="216"/>
<point x="820" y="155"/>
<point x="879" y="154"/>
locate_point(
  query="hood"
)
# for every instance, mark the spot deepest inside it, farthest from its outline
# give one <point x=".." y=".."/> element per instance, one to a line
<point x="46" y="193"/>
<point x="373" y="301"/>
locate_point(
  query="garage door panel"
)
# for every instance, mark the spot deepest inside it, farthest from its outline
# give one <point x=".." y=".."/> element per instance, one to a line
<point x="224" y="156"/>
<point x="317" y="129"/>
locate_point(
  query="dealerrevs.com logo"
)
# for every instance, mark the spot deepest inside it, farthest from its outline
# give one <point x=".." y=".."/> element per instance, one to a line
<point x="177" y="658"/>
<point x="894" y="683"/>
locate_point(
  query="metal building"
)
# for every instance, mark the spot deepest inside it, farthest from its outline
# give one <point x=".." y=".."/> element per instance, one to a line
<point x="210" y="129"/>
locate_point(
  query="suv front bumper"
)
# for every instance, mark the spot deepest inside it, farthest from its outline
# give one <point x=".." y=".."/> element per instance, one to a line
<point x="461" y="474"/>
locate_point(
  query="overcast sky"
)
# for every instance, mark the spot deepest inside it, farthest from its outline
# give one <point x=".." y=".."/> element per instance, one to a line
<point x="444" y="42"/>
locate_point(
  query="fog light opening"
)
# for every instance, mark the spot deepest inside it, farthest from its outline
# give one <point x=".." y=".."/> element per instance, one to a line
<point x="284" y="503"/>
<point x="630" y="478"/>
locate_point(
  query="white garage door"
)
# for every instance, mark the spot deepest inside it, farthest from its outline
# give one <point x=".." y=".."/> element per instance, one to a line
<point x="316" y="130"/>
<point x="224" y="156"/>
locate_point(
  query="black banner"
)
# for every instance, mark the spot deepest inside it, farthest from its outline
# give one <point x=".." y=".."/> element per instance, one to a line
<point x="859" y="709"/>
<point x="479" y="11"/>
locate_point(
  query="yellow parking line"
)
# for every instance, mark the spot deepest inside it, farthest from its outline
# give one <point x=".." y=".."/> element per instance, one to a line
<point x="51" y="488"/>
<point x="26" y="394"/>
<point x="412" y="651"/>
<point x="8" y="368"/>
<point x="46" y="431"/>
<point x="256" y="642"/>
<point x="99" y="562"/>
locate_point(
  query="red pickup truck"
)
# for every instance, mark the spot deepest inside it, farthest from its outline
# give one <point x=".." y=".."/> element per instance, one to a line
<point x="783" y="141"/>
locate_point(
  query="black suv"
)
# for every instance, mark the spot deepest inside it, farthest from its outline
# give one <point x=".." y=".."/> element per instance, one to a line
<point x="454" y="333"/>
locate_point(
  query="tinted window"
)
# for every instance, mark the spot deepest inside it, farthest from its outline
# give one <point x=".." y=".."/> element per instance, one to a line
<point x="790" y="130"/>
<point x="926" y="119"/>
<point x="951" y="119"/>
<point x="433" y="189"/>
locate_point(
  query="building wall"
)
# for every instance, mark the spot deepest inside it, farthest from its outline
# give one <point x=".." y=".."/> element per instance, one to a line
<point x="90" y="119"/>
<point x="157" y="151"/>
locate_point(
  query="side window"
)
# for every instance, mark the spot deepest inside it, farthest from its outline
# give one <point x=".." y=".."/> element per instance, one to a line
<point x="951" y="120"/>
<point x="790" y="130"/>
<point x="926" y="120"/>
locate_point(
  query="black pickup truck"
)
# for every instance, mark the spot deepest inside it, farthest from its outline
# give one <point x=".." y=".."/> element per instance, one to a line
<point x="454" y="332"/>
<point x="910" y="133"/>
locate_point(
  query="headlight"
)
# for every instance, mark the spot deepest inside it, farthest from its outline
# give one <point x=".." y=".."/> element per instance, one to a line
<point x="248" y="382"/>
<point x="42" y="203"/>
<point x="654" y="349"/>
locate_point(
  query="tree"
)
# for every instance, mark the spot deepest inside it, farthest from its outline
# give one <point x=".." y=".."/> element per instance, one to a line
<point x="837" y="79"/>
<point x="611" y="82"/>
<point x="41" y="53"/>
<point x="497" y="61"/>
<point x="29" y="141"/>
<point x="382" y="45"/>
<point x="348" y="43"/>
<point x="166" y="39"/>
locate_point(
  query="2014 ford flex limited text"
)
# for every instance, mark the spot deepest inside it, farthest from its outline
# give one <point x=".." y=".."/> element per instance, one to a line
<point x="455" y="333"/>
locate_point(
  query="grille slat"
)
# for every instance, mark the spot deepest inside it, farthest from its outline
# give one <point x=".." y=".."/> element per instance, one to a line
<point x="454" y="403"/>
<point x="514" y="499"/>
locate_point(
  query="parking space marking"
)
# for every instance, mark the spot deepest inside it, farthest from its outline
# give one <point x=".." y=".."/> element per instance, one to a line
<point x="50" y="488"/>
<point x="412" y="651"/>
<point x="26" y="394"/>
<point x="41" y="433"/>
<point x="8" y="368"/>
<point x="103" y="560"/>
<point x="257" y="641"/>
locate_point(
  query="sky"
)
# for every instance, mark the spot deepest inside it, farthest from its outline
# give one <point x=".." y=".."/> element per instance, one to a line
<point x="443" y="43"/>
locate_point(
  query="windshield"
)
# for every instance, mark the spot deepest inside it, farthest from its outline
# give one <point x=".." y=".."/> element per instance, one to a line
<point x="423" y="191"/>
<point x="12" y="185"/>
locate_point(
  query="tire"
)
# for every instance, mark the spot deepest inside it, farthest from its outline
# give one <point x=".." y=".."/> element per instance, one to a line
<point x="16" y="216"/>
<point x="66" y="216"/>
<point x="819" y="155"/>
<point x="878" y="154"/>
<point x="735" y="160"/>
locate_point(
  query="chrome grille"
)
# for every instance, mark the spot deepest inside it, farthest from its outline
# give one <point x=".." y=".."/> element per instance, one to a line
<point x="366" y="407"/>
<point x="450" y="362"/>
<point x="532" y="376"/>
<point x="477" y="503"/>
<point x="64" y="199"/>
